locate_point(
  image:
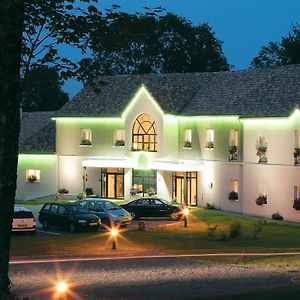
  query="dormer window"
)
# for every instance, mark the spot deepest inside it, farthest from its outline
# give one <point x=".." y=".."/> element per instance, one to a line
<point x="144" y="134"/>
<point x="86" y="137"/>
<point x="119" y="140"/>
<point x="210" y="138"/>
<point x="187" y="138"/>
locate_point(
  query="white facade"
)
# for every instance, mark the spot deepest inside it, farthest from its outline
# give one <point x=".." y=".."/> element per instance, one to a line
<point x="198" y="146"/>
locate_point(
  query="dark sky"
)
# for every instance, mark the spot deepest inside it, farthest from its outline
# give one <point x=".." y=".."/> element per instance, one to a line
<point x="243" y="25"/>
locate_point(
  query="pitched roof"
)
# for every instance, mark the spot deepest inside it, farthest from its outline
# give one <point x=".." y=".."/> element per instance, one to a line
<point x="248" y="93"/>
<point x="37" y="133"/>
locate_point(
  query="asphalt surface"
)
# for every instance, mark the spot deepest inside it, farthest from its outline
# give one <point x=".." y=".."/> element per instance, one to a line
<point x="140" y="278"/>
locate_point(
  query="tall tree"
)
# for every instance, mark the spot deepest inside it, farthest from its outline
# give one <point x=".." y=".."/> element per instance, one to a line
<point x="41" y="17"/>
<point x="149" y="43"/>
<point x="42" y="89"/>
<point x="11" y="25"/>
<point x="285" y="52"/>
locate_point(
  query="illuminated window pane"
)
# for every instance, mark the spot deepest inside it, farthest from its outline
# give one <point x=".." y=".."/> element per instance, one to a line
<point x="33" y="175"/>
<point x="86" y="137"/>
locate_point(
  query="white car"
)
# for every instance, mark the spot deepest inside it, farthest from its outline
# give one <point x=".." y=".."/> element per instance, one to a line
<point x="23" y="220"/>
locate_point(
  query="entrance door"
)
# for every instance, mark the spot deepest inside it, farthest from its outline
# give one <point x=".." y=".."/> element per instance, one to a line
<point x="191" y="184"/>
<point x="112" y="185"/>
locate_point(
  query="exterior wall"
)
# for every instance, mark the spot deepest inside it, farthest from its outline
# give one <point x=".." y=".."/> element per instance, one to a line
<point x="48" y="185"/>
<point x="215" y="185"/>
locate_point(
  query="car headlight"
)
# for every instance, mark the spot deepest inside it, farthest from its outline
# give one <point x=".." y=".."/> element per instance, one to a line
<point x="81" y="221"/>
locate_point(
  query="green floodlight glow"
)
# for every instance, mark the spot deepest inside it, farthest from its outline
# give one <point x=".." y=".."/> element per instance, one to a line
<point x="86" y="119"/>
<point x="38" y="156"/>
<point x="143" y="161"/>
<point x="135" y="99"/>
<point x="209" y="118"/>
<point x="274" y="120"/>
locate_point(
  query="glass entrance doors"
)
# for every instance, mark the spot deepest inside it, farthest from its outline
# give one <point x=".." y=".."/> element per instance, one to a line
<point x="112" y="183"/>
<point x="179" y="187"/>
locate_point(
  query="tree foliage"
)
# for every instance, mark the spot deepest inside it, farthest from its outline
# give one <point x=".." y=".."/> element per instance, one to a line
<point x="42" y="89"/>
<point x="149" y="43"/>
<point x="285" y="52"/>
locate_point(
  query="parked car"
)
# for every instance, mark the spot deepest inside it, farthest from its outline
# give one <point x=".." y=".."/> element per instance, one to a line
<point x="23" y="220"/>
<point x="68" y="215"/>
<point x="153" y="207"/>
<point x="109" y="212"/>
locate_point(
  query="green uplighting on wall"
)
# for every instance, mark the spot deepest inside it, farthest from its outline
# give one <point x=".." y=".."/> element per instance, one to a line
<point x="86" y="119"/>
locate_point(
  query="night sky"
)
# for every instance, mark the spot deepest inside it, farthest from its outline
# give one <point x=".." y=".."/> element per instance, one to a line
<point x="243" y="25"/>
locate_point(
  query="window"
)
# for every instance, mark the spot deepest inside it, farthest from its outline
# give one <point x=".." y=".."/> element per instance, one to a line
<point x="119" y="140"/>
<point x="86" y="137"/>
<point x="233" y="144"/>
<point x="296" y="192"/>
<point x="234" y="185"/>
<point x="210" y="138"/>
<point x="187" y="138"/>
<point x="297" y="138"/>
<point x="144" y="134"/>
<point x="33" y="175"/>
<point x="262" y="189"/>
<point x="262" y="146"/>
<point x="297" y="147"/>
<point x="144" y="180"/>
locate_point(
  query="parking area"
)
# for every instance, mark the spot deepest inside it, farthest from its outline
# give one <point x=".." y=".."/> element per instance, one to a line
<point x="149" y="223"/>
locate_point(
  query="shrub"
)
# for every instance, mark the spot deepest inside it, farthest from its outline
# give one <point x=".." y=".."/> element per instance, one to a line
<point x="277" y="216"/>
<point x="86" y="142"/>
<point x="235" y="230"/>
<point x="133" y="191"/>
<point x="261" y="200"/>
<point x="296" y="152"/>
<point x="81" y="195"/>
<point x="211" y="230"/>
<point x="209" y="145"/>
<point x="187" y="144"/>
<point x="209" y="206"/>
<point x="63" y="191"/>
<point x="233" y="195"/>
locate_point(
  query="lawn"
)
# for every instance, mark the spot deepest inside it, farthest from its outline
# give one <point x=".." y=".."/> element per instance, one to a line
<point x="208" y="231"/>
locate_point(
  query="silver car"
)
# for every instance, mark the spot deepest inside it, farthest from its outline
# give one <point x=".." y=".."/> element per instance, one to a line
<point x="110" y="213"/>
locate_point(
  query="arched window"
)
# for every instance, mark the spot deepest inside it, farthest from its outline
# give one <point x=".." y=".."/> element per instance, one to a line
<point x="144" y="134"/>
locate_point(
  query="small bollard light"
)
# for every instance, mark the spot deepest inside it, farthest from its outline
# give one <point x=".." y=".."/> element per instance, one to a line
<point x="114" y="233"/>
<point x="186" y="212"/>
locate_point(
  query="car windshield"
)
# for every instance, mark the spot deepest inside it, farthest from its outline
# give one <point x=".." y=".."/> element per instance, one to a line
<point x="110" y="205"/>
<point x="23" y="215"/>
<point x="77" y="209"/>
<point x="165" y="201"/>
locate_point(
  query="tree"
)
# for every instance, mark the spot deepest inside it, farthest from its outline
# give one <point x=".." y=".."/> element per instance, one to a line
<point x="11" y="25"/>
<point x="40" y="16"/>
<point x="42" y="90"/>
<point x="286" y="52"/>
<point x="148" y="43"/>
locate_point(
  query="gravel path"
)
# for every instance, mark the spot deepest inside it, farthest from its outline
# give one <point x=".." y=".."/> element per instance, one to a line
<point x="162" y="278"/>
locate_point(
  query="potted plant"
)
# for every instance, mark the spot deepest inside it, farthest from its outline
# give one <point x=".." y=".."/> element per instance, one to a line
<point x="119" y="143"/>
<point x="297" y="156"/>
<point x="82" y="195"/>
<point x="31" y="178"/>
<point x="296" y="204"/>
<point x="261" y="200"/>
<point x="209" y="145"/>
<point x="261" y="151"/>
<point x="233" y="149"/>
<point x="187" y="144"/>
<point x="233" y="195"/>
<point x="86" y="142"/>
<point x="133" y="191"/>
<point x="277" y="216"/>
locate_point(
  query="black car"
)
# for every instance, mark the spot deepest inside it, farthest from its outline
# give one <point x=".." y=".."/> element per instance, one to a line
<point x="153" y="207"/>
<point x="68" y="215"/>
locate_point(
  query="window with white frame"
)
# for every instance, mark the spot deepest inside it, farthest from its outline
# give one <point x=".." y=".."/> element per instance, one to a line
<point x="262" y="146"/>
<point x="86" y="137"/>
<point x="187" y="138"/>
<point x="210" y="138"/>
<point x="262" y="189"/>
<point x="233" y="144"/>
<point x="33" y="175"/>
<point x="119" y="137"/>
<point x="297" y="138"/>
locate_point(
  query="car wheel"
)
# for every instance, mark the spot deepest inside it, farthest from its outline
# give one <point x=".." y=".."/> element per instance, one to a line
<point x="174" y="216"/>
<point x="45" y="224"/>
<point x="134" y="216"/>
<point x="72" y="227"/>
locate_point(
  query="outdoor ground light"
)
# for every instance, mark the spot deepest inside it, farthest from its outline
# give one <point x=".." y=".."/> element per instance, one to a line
<point x="186" y="213"/>
<point x="114" y="233"/>
<point x="61" y="290"/>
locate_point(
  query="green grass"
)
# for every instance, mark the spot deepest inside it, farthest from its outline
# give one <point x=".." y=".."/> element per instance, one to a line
<point x="275" y="236"/>
<point x="290" y="292"/>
